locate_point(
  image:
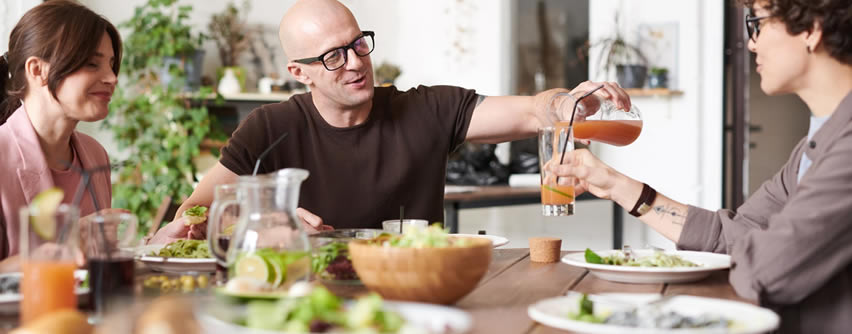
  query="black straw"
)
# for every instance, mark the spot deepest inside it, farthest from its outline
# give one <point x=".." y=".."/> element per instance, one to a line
<point x="571" y="122"/>
<point x="265" y="152"/>
<point x="401" y="214"/>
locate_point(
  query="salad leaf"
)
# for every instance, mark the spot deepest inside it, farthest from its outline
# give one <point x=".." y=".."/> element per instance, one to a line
<point x="325" y="254"/>
<point x="193" y="249"/>
<point x="592" y="257"/>
<point x="195" y="211"/>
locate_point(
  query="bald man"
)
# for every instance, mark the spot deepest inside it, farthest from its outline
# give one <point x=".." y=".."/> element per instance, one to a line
<point x="369" y="149"/>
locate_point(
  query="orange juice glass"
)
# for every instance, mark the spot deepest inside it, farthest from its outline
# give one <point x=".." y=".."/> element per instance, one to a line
<point x="557" y="193"/>
<point x="47" y="286"/>
<point x="48" y="262"/>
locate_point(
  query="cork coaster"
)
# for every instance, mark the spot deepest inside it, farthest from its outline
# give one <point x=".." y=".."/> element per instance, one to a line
<point x="544" y="249"/>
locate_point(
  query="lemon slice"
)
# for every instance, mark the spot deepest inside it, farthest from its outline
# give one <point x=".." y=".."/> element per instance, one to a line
<point x="43" y="212"/>
<point x="229" y="231"/>
<point x="256" y="267"/>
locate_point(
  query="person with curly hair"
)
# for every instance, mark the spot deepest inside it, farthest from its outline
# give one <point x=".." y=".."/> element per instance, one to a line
<point x="791" y="241"/>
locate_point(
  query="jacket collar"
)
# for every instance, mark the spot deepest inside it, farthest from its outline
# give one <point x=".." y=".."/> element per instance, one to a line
<point x="832" y="128"/>
<point x="34" y="173"/>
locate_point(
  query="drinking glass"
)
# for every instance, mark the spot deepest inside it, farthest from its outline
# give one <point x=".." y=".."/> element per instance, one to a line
<point x="392" y="225"/>
<point x="557" y="193"/>
<point x="48" y="253"/>
<point x="108" y="243"/>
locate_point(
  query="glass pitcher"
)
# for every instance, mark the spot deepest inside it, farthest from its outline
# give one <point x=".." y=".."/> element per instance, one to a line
<point x="596" y="119"/>
<point x="268" y="244"/>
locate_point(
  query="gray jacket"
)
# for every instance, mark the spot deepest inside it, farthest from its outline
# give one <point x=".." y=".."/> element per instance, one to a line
<point x="791" y="242"/>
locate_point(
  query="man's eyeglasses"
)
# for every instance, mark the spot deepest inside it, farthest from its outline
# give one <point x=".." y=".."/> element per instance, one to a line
<point x="753" y="25"/>
<point x="337" y="57"/>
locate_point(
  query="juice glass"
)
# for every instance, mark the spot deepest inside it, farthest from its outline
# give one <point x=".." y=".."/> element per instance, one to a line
<point x="108" y="241"/>
<point x="48" y="252"/>
<point x="557" y="193"/>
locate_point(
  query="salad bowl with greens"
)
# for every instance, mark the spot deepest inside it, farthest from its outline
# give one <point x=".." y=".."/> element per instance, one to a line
<point x="424" y="265"/>
<point x="320" y="311"/>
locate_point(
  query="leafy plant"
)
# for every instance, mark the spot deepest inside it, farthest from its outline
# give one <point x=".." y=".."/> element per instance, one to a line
<point x="230" y="32"/>
<point x="616" y="51"/>
<point x="658" y="71"/>
<point x="387" y="72"/>
<point x="160" y="125"/>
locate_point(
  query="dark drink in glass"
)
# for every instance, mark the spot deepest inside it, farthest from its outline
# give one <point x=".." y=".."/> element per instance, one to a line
<point x="110" y="279"/>
<point x="221" y="259"/>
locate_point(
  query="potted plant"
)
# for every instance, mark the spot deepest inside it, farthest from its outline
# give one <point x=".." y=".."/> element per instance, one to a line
<point x="386" y="73"/>
<point x="232" y="36"/>
<point x="629" y="62"/>
<point x="155" y="120"/>
<point x="658" y="77"/>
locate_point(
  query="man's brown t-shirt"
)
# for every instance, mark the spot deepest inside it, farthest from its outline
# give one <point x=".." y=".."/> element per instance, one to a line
<point x="360" y="175"/>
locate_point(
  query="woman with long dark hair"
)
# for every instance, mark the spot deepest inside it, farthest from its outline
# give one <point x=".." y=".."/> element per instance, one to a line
<point x="791" y="241"/>
<point x="61" y="68"/>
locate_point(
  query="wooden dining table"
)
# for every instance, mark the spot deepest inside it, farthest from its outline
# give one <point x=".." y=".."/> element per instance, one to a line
<point x="513" y="282"/>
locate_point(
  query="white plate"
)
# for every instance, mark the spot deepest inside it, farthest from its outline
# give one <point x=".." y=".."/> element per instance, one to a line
<point x="709" y="262"/>
<point x="746" y="318"/>
<point x="173" y="264"/>
<point x="9" y="302"/>
<point x="495" y="239"/>
<point x="433" y="318"/>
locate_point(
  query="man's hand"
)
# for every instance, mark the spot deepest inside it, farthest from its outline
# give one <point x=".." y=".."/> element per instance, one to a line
<point x="311" y="222"/>
<point x="177" y="230"/>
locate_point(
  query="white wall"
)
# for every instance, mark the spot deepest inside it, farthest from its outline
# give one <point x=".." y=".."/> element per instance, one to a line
<point x="679" y="151"/>
<point x="416" y="35"/>
<point x="10" y="12"/>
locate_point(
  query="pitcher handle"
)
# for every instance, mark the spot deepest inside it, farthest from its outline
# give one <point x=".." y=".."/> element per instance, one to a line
<point x="217" y="210"/>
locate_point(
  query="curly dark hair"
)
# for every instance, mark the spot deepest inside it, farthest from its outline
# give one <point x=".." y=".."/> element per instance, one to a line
<point x="835" y="17"/>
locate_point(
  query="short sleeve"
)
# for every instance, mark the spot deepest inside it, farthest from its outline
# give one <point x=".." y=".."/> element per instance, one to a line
<point x="454" y="110"/>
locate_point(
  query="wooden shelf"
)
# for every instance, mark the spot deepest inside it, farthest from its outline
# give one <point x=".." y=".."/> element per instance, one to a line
<point x="207" y="144"/>
<point x="259" y="97"/>
<point x="633" y="92"/>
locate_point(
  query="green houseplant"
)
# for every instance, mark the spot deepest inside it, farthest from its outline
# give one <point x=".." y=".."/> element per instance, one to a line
<point x="629" y="62"/>
<point x="232" y="36"/>
<point x="156" y="121"/>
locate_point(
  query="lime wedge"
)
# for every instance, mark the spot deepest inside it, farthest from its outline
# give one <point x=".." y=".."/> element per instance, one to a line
<point x="43" y="212"/>
<point x="229" y="231"/>
<point x="256" y="267"/>
<point x="276" y="261"/>
<point x="557" y="191"/>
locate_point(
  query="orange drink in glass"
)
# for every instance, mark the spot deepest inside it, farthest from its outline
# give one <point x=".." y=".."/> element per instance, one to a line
<point x="557" y="193"/>
<point x="615" y="132"/>
<point x="595" y="119"/>
<point x="47" y="286"/>
<point x="48" y="252"/>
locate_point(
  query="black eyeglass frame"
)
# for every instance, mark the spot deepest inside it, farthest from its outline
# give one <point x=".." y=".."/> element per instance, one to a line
<point x="345" y="50"/>
<point x="752" y="24"/>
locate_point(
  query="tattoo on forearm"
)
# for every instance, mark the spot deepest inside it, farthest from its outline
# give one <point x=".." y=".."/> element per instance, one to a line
<point x="677" y="216"/>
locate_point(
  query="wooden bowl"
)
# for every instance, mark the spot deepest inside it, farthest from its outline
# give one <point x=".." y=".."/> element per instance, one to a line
<point x="430" y="275"/>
